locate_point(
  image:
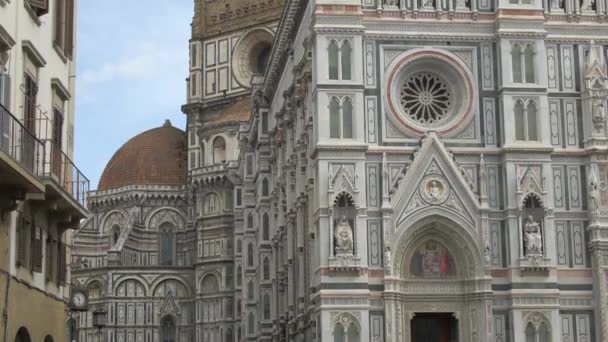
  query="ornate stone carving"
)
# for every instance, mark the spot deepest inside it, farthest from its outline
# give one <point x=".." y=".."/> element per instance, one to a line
<point x="533" y="237"/>
<point x="344" y="237"/>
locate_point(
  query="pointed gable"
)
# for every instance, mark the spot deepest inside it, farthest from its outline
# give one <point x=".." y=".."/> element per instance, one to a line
<point x="434" y="180"/>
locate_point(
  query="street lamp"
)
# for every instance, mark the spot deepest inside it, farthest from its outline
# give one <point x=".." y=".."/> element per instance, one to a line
<point x="99" y="320"/>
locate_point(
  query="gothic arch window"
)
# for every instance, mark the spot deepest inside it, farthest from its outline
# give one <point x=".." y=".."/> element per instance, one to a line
<point x="266" y="269"/>
<point x="250" y="291"/>
<point x="265" y="227"/>
<point x="346" y="329"/>
<point x="167" y="244"/>
<point x="522" y="55"/>
<point x="339" y="53"/>
<point x="526" y="120"/>
<point x="250" y="255"/>
<point x="346" y="60"/>
<point x="239" y="276"/>
<point x="211" y="204"/>
<point x="332" y="53"/>
<point x="341" y="118"/>
<point x="167" y="329"/>
<point x="249" y="220"/>
<point x="266" y="303"/>
<point x="219" y="150"/>
<point x="537" y="329"/>
<point x="251" y="324"/>
<point x="239" y="246"/>
<point x="344" y="215"/>
<point x="265" y="187"/>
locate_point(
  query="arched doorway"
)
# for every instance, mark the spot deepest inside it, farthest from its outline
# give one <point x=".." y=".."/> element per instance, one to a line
<point x="23" y="335"/>
<point x="439" y="290"/>
<point x="167" y="329"/>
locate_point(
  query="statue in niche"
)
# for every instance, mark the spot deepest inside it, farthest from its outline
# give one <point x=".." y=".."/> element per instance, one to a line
<point x="532" y="237"/>
<point x="599" y="112"/>
<point x="390" y="2"/>
<point x="594" y="193"/>
<point x="343" y="235"/>
<point x="387" y="260"/>
<point x="587" y="5"/>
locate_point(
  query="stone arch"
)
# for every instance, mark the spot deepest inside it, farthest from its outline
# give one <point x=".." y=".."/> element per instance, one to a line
<point x="91" y="287"/>
<point x="115" y="217"/>
<point x="210" y="283"/>
<point x="163" y="215"/>
<point x="162" y="281"/>
<point x="219" y="149"/>
<point x="453" y="233"/>
<point x="137" y="279"/>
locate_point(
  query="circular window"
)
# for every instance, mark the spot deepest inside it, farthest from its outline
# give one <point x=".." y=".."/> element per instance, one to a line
<point x="429" y="89"/>
<point x="251" y="55"/>
<point x="426" y="98"/>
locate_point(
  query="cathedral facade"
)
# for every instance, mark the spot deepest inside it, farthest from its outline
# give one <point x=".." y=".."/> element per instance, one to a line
<point x="365" y="170"/>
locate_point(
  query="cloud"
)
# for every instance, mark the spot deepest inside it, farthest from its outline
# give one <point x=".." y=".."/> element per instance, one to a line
<point x="145" y="64"/>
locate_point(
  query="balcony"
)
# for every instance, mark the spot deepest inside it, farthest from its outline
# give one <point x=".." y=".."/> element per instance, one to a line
<point x="65" y="182"/>
<point x="21" y="161"/>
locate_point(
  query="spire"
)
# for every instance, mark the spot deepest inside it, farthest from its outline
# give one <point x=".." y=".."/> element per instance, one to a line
<point x="167" y="123"/>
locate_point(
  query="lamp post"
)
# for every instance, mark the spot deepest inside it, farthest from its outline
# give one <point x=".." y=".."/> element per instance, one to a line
<point x="99" y="320"/>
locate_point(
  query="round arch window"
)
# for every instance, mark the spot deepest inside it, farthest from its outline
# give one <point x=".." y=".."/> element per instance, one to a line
<point x="251" y="55"/>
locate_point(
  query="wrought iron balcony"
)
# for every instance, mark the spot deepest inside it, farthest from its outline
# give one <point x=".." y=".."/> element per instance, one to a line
<point x="59" y="168"/>
<point x="21" y="156"/>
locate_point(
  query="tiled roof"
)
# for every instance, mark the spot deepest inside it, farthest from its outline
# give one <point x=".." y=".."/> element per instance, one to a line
<point x="154" y="157"/>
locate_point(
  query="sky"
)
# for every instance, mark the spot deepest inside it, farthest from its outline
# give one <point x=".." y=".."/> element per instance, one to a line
<point x="132" y="63"/>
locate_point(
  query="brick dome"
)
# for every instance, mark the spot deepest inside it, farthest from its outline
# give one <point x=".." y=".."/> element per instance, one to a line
<point x="154" y="157"/>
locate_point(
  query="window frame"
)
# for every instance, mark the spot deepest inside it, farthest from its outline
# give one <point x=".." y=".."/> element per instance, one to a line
<point x="526" y="103"/>
<point x="341" y="100"/>
<point x="339" y="43"/>
<point x="522" y="49"/>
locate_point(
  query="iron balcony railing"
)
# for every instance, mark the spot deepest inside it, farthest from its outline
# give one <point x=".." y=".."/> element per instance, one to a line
<point x="21" y="144"/>
<point x="59" y="167"/>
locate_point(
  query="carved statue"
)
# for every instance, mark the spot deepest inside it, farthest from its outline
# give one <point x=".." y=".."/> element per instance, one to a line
<point x="587" y="5"/>
<point x="387" y="260"/>
<point x="532" y="237"/>
<point x="428" y="3"/>
<point x="486" y="253"/>
<point x="599" y="113"/>
<point x="594" y="194"/>
<point x="390" y="2"/>
<point x="344" y="237"/>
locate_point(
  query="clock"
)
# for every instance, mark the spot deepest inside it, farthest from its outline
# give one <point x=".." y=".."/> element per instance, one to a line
<point x="79" y="300"/>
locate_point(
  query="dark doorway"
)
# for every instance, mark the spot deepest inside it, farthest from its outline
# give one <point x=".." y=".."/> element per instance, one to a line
<point x="440" y="327"/>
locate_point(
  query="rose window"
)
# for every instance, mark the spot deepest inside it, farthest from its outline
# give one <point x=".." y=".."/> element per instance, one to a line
<point x="426" y="98"/>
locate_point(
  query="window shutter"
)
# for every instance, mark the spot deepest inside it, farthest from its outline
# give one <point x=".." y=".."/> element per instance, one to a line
<point x="50" y="257"/>
<point x="69" y="29"/>
<point x="21" y="241"/>
<point x="60" y="23"/>
<point x="36" y="249"/>
<point x="61" y="267"/>
<point x="31" y="91"/>
<point x="41" y="7"/>
<point x="5" y="90"/>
